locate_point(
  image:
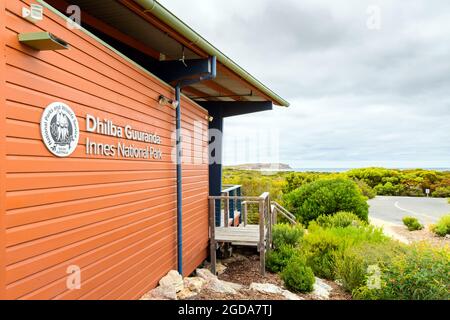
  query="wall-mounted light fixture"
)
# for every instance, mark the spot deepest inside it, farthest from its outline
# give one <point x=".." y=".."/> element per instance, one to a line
<point x="34" y="13"/>
<point x="43" y="41"/>
<point x="164" y="101"/>
<point x="209" y="118"/>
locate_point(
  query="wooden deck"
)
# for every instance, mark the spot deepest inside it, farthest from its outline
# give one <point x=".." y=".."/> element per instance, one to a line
<point x="243" y="236"/>
<point x="255" y="235"/>
<point x="258" y="236"/>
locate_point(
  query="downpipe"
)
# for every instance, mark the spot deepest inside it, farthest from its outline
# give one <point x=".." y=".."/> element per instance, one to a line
<point x="183" y="83"/>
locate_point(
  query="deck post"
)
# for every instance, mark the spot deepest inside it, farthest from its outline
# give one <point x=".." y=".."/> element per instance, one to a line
<point x="274" y="214"/>
<point x="262" y="249"/>
<point x="244" y="213"/>
<point x="226" y="210"/>
<point x="269" y="223"/>
<point x="212" y="235"/>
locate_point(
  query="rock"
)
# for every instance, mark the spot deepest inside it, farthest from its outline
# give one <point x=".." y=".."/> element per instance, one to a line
<point x="161" y="293"/>
<point x="219" y="286"/>
<point x="321" y="289"/>
<point x="194" y="284"/>
<point x="185" y="294"/>
<point x="235" y="258"/>
<point x="291" y="296"/>
<point x="205" y="274"/>
<point x="214" y="284"/>
<point x="235" y="286"/>
<point x="172" y="280"/>
<point x="266" y="288"/>
<point x="220" y="268"/>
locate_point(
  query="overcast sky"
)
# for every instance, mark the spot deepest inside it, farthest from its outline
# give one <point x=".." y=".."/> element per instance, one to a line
<point x="363" y="91"/>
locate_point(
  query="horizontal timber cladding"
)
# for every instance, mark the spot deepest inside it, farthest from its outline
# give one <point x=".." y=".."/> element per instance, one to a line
<point x="111" y="215"/>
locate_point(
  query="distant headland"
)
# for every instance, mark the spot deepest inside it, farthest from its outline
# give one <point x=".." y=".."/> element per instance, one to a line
<point x="262" y="166"/>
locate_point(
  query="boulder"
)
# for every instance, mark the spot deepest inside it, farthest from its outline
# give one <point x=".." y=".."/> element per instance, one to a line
<point x="234" y="258"/>
<point x="291" y="296"/>
<point x="172" y="280"/>
<point x="214" y="284"/>
<point x="219" y="286"/>
<point x="161" y="293"/>
<point x="194" y="284"/>
<point x="220" y="268"/>
<point x="205" y="274"/>
<point x="185" y="294"/>
<point x="321" y="289"/>
<point x="266" y="288"/>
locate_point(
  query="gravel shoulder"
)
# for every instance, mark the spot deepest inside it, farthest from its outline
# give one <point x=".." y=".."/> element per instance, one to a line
<point x="421" y="235"/>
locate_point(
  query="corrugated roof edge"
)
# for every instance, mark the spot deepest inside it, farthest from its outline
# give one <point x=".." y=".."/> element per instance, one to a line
<point x="175" y="23"/>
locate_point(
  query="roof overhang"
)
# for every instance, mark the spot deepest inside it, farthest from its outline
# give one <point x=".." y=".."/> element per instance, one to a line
<point x="165" y="37"/>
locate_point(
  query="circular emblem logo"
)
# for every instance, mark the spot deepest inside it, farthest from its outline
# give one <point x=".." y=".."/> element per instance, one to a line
<point x="59" y="129"/>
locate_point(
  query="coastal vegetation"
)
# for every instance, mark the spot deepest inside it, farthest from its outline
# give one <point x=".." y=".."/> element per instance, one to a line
<point x="334" y="240"/>
<point x="364" y="261"/>
<point x="412" y="223"/>
<point x="370" y="181"/>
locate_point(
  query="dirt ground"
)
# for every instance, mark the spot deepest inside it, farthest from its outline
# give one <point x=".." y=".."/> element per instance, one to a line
<point x="421" y="235"/>
<point x="244" y="269"/>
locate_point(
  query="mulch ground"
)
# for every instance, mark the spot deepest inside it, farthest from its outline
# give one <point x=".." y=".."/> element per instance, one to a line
<point x="243" y="268"/>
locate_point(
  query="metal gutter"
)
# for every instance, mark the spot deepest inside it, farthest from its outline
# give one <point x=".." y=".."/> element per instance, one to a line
<point x="172" y="21"/>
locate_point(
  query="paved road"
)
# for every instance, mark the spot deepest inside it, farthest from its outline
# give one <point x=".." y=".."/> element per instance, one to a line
<point x="393" y="209"/>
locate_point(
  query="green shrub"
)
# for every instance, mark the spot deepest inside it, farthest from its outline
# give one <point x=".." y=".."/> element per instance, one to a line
<point x="412" y="223"/>
<point x="441" y="192"/>
<point x="421" y="273"/>
<point x="366" y="190"/>
<point x="276" y="260"/>
<point x="389" y="189"/>
<point x="297" y="276"/>
<point x="442" y="228"/>
<point x="352" y="264"/>
<point x="326" y="197"/>
<point x="286" y="234"/>
<point x="322" y="247"/>
<point x="341" y="219"/>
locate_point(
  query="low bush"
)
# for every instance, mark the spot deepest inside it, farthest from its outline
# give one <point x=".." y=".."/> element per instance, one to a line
<point x="286" y="234"/>
<point x="389" y="189"/>
<point x="412" y="223"/>
<point x="326" y="197"/>
<point x="341" y="219"/>
<point x="352" y="265"/>
<point x="421" y="273"/>
<point x="441" y="192"/>
<point x="366" y="190"/>
<point x="297" y="276"/>
<point x="442" y="228"/>
<point x="277" y="260"/>
<point x="322" y="246"/>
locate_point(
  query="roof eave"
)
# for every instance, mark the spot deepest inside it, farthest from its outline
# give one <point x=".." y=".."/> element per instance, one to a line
<point x="175" y="23"/>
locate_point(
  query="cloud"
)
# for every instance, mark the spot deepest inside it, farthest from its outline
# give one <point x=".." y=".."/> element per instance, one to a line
<point x="358" y="96"/>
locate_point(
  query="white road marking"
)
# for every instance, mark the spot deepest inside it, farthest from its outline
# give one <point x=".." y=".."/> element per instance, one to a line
<point x="412" y="212"/>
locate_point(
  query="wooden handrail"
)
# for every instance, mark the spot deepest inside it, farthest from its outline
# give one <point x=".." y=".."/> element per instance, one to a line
<point x="289" y="216"/>
<point x="231" y="187"/>
<point x="246" y="198"/>
<point x="265" y="221"/>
